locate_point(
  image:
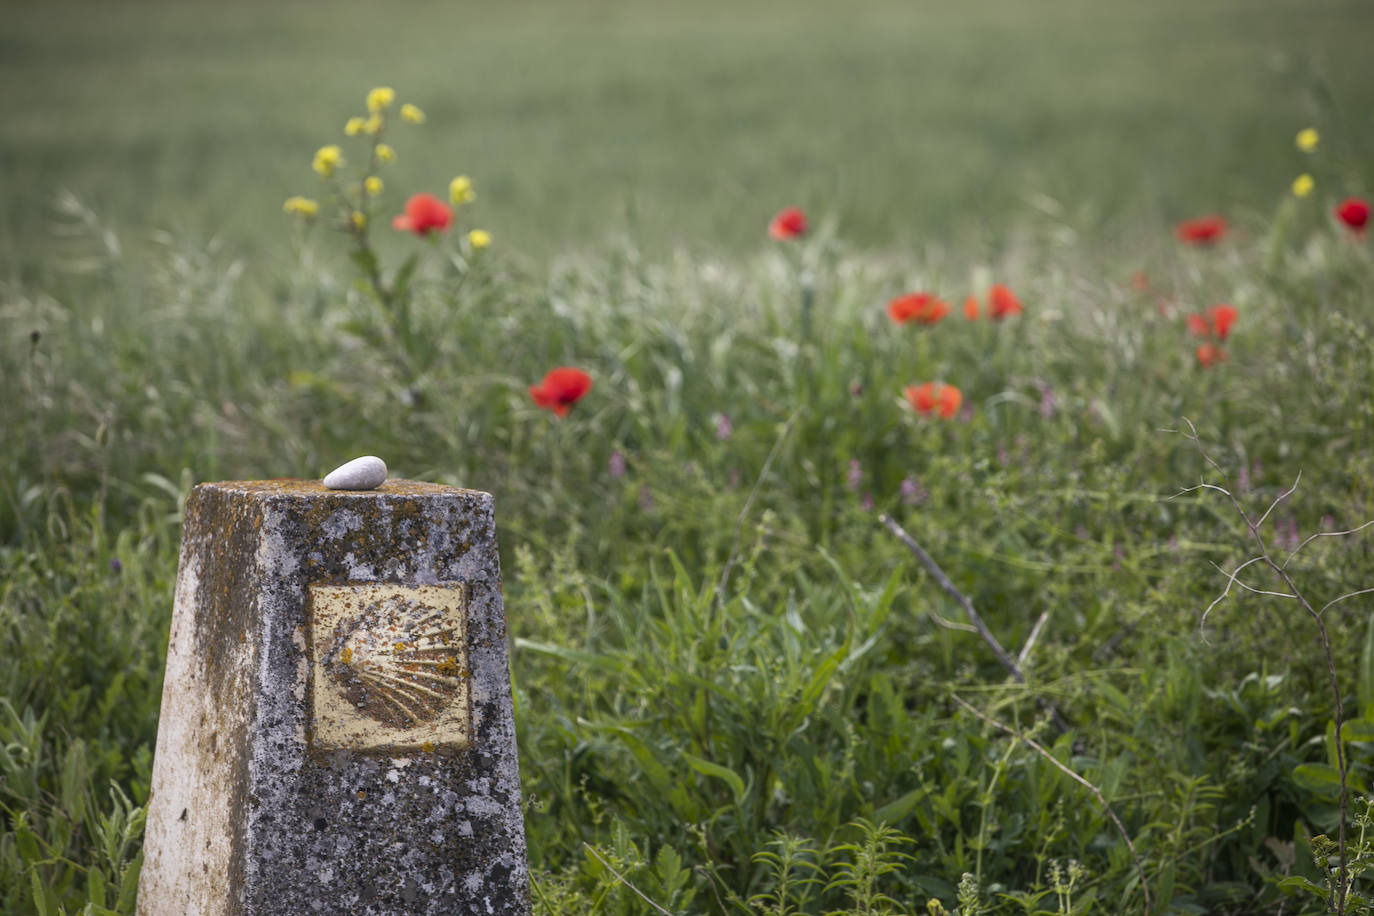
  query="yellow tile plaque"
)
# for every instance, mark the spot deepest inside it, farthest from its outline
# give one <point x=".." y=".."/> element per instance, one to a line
<point x="389" y="666"/>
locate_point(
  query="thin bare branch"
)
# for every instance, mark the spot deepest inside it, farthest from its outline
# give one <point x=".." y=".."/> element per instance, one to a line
<point x="950" y="588"/>
<point x="1363" y="591"/>
<point x="948" y="624"/>
<point x="1202" y="486"/>
<point x="1278" y="499"/>
<point x="1030" y="640"/>
<point x="1251" y="588"/>
<point x="1339" y="888"/>
<point x="944" y="582"/>
<point x="1324" y="534"/>
<point x="1031" y="743"/>
<point x="1197" y="441"/>
<point x="623" y="880"/>
<point x="1230" y="580"/>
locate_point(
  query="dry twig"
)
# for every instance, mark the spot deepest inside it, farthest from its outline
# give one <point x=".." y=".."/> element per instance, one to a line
<point x="944" y="582"/>
<point x="1339" y="889"/>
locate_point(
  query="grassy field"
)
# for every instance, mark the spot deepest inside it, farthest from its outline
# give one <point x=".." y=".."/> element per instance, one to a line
<point x="734" y="686"/>
<point x="909" y="124"/>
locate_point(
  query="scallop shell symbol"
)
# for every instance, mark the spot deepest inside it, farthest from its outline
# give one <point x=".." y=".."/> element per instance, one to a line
<point x="396" y="662"/>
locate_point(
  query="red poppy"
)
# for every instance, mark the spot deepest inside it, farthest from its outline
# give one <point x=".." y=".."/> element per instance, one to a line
<point x="425" y="213"/>
<point x="1354" y="212"/>
<point x="1208" y="354"/>
<point x="1202" y="231"/>
<point x="935" y="398"/>
<point x="971" y="308"/>
<point x="923" y="308"/>
<point x="790" y="223"/>
<point x="1140" y="281"/>
<point x="1216" y="323"/>
<point x="1223" y="316"/>
<point x="1002" y="302"/>
<point x="561" y="389"/>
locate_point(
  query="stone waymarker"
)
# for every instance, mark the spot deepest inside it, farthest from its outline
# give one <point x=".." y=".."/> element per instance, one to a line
<point x="336" y="731"/>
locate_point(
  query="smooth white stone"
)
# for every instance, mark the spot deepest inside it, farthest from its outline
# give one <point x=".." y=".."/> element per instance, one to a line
<point x="365" y="473"/>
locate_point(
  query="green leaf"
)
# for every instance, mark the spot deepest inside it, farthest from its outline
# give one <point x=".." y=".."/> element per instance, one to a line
<point x="575" y="656"/>
<point x="1294" y="883"/>
<point x="1117" y="699"/>
<point x="655" y="772"/>
<point x="95" y="886"/>
<point x="819" y="679"/>
<point x="128" y="883"/>
<point x="896" y="810"/>
<point x="25" y="839"/>
<point x="40" y="895"/>
<point x="1357" y="730"/>
<point x="707" y="768"/>
<point x="1318" y="778"/>
<point x="671" y="875"/>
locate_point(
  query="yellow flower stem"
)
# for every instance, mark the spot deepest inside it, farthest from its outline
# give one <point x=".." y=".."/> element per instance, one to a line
<point x="360" y="233"/>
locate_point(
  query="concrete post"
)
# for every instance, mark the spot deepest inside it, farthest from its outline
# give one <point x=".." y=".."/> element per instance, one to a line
<point x="336" y="732"/>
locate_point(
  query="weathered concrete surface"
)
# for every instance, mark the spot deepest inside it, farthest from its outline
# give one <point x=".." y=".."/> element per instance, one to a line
<point x="249" y="814"/>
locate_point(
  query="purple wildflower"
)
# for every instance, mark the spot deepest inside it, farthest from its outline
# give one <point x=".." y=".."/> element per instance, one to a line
<point x="1049" y="404"/>
<point x="913" y="494"/>
<point x="856" y="474"/>
<point x="724" y="428"/>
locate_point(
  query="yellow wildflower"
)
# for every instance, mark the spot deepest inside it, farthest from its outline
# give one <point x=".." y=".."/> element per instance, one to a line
<point x="380" y="99"/>
<point x="359" y="220"/>
<point x="301" y="206"/>
<point x="327" y="159"/>
<point x="1303" y="185"/>
<point x="1307" y="139"/>
<point x="372" y="185"/>
<point x="479" y="239"/>
<point x="460" y="190"/>
<point x="354" y="127"/>
<point x="412" y="114"/>
<point x="385" y="153"/>
<point x="373" y="125"/>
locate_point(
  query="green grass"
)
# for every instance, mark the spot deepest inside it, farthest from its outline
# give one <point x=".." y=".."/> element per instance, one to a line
<point x="910" y="124"/>
<point x="732" y="685"/>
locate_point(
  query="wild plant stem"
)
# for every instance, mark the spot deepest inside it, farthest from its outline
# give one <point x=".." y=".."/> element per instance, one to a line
<point x="623" y="880"/>
<point x="1338" y="892"/>
<point x="1039" y="749"/>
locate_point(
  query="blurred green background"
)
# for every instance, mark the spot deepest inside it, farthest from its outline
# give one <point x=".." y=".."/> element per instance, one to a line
<point x="910" y="123"/>
<point x="693" y="567"/>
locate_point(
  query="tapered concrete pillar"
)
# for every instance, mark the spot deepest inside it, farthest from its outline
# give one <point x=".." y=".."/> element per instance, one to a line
<point x="336" y="732"/>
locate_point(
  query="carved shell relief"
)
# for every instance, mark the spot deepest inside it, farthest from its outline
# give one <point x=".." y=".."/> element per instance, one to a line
<point x="390" y="665"/>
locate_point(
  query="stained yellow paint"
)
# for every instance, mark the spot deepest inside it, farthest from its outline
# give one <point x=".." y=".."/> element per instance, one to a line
<point x="389" y="666"/>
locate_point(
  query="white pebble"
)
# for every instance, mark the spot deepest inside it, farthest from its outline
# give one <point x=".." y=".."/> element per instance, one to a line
<point x="365" y="473"/>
